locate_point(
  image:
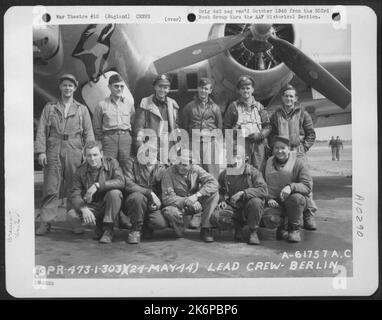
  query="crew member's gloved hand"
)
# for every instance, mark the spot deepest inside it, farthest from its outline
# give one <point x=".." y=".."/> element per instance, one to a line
<point x="256" y="137"/>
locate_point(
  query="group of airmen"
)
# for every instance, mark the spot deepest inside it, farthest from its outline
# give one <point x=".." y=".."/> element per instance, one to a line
<point x="110" y="174"/>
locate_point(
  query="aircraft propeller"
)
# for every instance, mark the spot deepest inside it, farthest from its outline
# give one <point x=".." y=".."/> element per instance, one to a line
<point x="263" y="34"/>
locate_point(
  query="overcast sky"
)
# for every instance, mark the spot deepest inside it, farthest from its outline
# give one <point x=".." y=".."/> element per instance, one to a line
<point x="344" y="132"/>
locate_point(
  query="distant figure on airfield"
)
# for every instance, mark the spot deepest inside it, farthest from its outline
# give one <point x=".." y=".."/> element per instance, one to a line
<point x="339" y="146"/>
<point x="332" y="144"/>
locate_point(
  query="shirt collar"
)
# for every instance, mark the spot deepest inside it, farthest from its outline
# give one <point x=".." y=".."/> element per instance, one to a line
<point x="71" y="111"/>
<point x="251" y="103"/>
<point x="199" y="101"/>
<point x="295" y="108"/>
<point x="159" y="102"/>
<point x="277" y="162"/>
<point x="115" y="101"/>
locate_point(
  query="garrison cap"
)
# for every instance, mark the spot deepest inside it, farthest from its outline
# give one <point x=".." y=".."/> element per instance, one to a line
<point x="288" y="87"/>
<point x="69" y="77"/>
<point x="282" y="139"/>
<point x="162" y="79"/>
<point x="244" y="81"/>
<point x="115" y="78"/>
<point x="204" y="82"/>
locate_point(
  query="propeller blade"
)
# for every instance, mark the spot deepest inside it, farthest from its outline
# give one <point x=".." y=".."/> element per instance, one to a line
<point x="311" y="72"/>
<point x="197" y="52"/>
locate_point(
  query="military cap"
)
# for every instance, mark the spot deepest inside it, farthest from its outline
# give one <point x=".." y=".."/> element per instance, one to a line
<point x="204" y="82"/>
<point x="69" y="77"/>
<point x="115" y="78"/>
<point x="162" y="79"/>
<point x="244" y="81"/>
<point x="282" y="139"/>
<point x="288" y="87"/>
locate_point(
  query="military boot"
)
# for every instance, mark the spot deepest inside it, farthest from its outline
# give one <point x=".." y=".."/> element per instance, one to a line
<point x="107" y="236"/>
<point x="98" y="232"/>
<point x="282" y="230"/>
<point x="206" y="235"/>
<point x="281" y="233"/>
<point x="294" y="232"/>
<point x="134" y="236"/>
<point x="253" y="238"/>
<point x="175" y="221"/>
<point x="43" y="229"/>
<point x="309" y="222"/>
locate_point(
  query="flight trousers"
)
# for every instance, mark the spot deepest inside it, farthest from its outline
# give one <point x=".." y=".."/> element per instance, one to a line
<point x="63" y="158"/>
<point x="250" y="214"/>
<point x="117" y="145"/>
<point x="105" y="210"/>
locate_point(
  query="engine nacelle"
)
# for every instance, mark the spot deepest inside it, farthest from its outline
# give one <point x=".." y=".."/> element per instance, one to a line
<point x="252" y="58"/>
<point x="48" y="53"/>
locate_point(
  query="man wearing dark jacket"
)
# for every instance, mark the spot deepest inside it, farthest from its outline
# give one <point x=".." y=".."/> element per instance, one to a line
<point x="251" y="120"/>
<point x="189" y="189"/>
<point x="204" y="116"/>
<point x="245" y="191"/>
<point x="289" y="185"/>
<point x="96" y="194"/>
<point x="293" y="122"/>
<point x="142" y="204"/>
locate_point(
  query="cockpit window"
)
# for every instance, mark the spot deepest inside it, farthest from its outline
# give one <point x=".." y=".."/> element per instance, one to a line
<point x="192" y="80"/>
<point x="174" y="81"/>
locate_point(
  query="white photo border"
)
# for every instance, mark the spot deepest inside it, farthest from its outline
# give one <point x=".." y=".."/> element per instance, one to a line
<point x="19" y="179"/>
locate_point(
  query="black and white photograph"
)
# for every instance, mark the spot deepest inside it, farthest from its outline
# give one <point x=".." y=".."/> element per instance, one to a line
<point x="171" y="152"/>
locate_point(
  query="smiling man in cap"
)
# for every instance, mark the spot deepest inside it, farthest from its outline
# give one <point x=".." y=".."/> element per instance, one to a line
<point x="157" y="111"/>
<point x="289" y="185"/>
<point x="293" y="121"/>
<point x="112" y="121"/>
<point x="251" y="120"/>
<point x="64" y="127"/>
